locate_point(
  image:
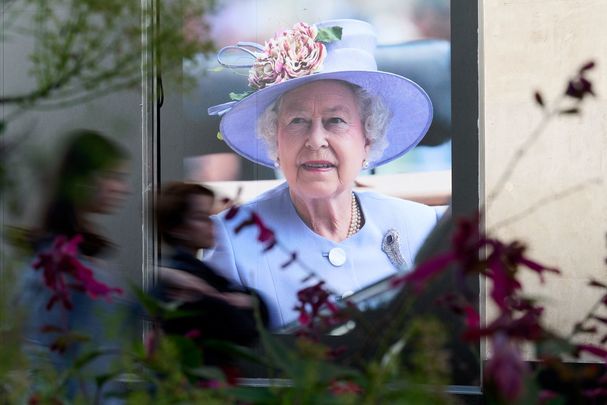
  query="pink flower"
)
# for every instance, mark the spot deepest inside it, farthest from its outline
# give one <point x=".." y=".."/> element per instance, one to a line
<point x="290" y="54"/>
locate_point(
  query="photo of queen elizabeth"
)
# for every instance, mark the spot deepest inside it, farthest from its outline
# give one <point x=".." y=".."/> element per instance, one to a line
<point x="321" y="112"/>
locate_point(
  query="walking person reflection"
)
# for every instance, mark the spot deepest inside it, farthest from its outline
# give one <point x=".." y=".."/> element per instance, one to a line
<point x="70" y="294"/>
<point x="222" y="310"/>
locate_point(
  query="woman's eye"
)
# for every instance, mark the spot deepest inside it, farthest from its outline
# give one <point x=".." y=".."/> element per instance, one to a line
<point x="336" y="120"/>
<point x="297" y="120"/>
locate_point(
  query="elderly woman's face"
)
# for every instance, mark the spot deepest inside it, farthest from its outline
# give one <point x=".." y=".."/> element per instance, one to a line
<point x="320" y="137"/>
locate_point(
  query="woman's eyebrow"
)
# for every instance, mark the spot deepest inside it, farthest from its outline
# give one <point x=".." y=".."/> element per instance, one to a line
<point x="338" y="108"/>
<point x="294" y="106"/>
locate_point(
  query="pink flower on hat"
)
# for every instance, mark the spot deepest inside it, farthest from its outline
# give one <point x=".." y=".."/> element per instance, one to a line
<point x="290" y="54"/>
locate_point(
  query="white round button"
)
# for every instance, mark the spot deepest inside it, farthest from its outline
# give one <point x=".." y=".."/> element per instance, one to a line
<point x="337" y="257"/>
<point x="346" y="294"/>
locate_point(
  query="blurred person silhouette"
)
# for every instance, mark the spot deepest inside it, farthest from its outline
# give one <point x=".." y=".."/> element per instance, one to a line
<point x="223" y="310"/>
<point x="71" y="299"/>
<point x="432" y="18"/>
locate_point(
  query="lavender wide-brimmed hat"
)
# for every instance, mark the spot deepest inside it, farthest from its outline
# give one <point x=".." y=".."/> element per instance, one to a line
<point x="331" y="50"/>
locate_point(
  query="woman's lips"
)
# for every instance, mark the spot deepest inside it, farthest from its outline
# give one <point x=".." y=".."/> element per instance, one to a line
<point x="318" y="165"/>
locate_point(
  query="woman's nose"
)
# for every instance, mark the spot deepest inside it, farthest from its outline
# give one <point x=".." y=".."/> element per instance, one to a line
<point x="122" y="187"/>
<point x="317" y="137"/>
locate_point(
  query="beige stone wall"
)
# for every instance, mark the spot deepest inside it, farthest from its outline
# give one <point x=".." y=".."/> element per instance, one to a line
<point x="536" y="44"/>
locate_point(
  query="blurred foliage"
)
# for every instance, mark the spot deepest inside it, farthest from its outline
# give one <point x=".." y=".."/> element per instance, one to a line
<point x="87" y="48"/>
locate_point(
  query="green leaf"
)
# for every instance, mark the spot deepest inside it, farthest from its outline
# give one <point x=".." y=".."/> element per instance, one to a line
<point x="239" y="96"/>
<point x="327" y="35"/>
<point x="254" y="395"/>
<point x="240" y="352"/>
<point x="159" y="309"/>
<point x="101" y="379"/>
<point x="554" y="347"/>
<point x="151" y="305"/>
<point x="279" y="354"/>
<point x="220" y="136"/>
<point x="211" y="373"/>
<point x="189" y="355"/>
<point x="88" y="357"/>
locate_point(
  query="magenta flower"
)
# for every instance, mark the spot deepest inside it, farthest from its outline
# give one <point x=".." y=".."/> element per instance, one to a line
<point x="210" y="384"/>
<point x="596" y="394"/>
<point x="525" y="326"/>
<point x="232" y="212"/>
<point x="466" y="244"/>
<point x="505" y="371"/>
<point x="591" y="349"/>
<point x="151" y="342"/>
<point x="265" y="235"/>
<point x="503" y="263"/>
<point x="340" y="387"/>
<point x="193" y="334"/>
<point x="312" y="300"/>
<point x="546" y="396"/>
<point x="580" y="87"/>
<point x="292" y="259"/>
<point x="63" y="271"/>
<point x="468" y="248"/>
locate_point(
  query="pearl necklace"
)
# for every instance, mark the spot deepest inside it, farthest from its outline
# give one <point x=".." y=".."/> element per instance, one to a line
<point x="356" y="218"/>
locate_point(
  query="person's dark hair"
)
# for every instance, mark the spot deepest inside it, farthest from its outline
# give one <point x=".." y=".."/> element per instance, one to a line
<point x="173" y="205"/>
<point x="86" y="154"/>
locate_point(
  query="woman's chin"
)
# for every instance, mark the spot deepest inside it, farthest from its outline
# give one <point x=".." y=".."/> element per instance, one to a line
<point x="317" y="190"/>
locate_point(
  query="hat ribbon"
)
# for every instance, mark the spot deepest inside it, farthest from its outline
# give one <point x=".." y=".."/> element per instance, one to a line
<point x="240" y="46"/>
<point x="245" y="47"/>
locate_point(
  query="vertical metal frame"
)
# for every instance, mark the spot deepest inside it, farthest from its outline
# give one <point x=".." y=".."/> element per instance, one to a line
<point x="465" y="106"/>
<point x="149" y="143"/>
<point x="466" y="113"/>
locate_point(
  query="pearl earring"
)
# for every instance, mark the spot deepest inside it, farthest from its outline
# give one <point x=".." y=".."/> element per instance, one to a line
<point x="365" y="164"/>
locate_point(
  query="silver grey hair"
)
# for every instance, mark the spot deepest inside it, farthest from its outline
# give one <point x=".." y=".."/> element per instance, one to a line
<point x="374" y="115"/>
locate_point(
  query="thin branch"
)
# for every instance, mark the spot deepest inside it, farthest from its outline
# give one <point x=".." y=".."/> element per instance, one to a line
<point x="519" y="154"/>
<point x="541" y="203"/>
<point x="85" y="97"/>
<point x="46" y="90"/>
<point x="588" y="316"/>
